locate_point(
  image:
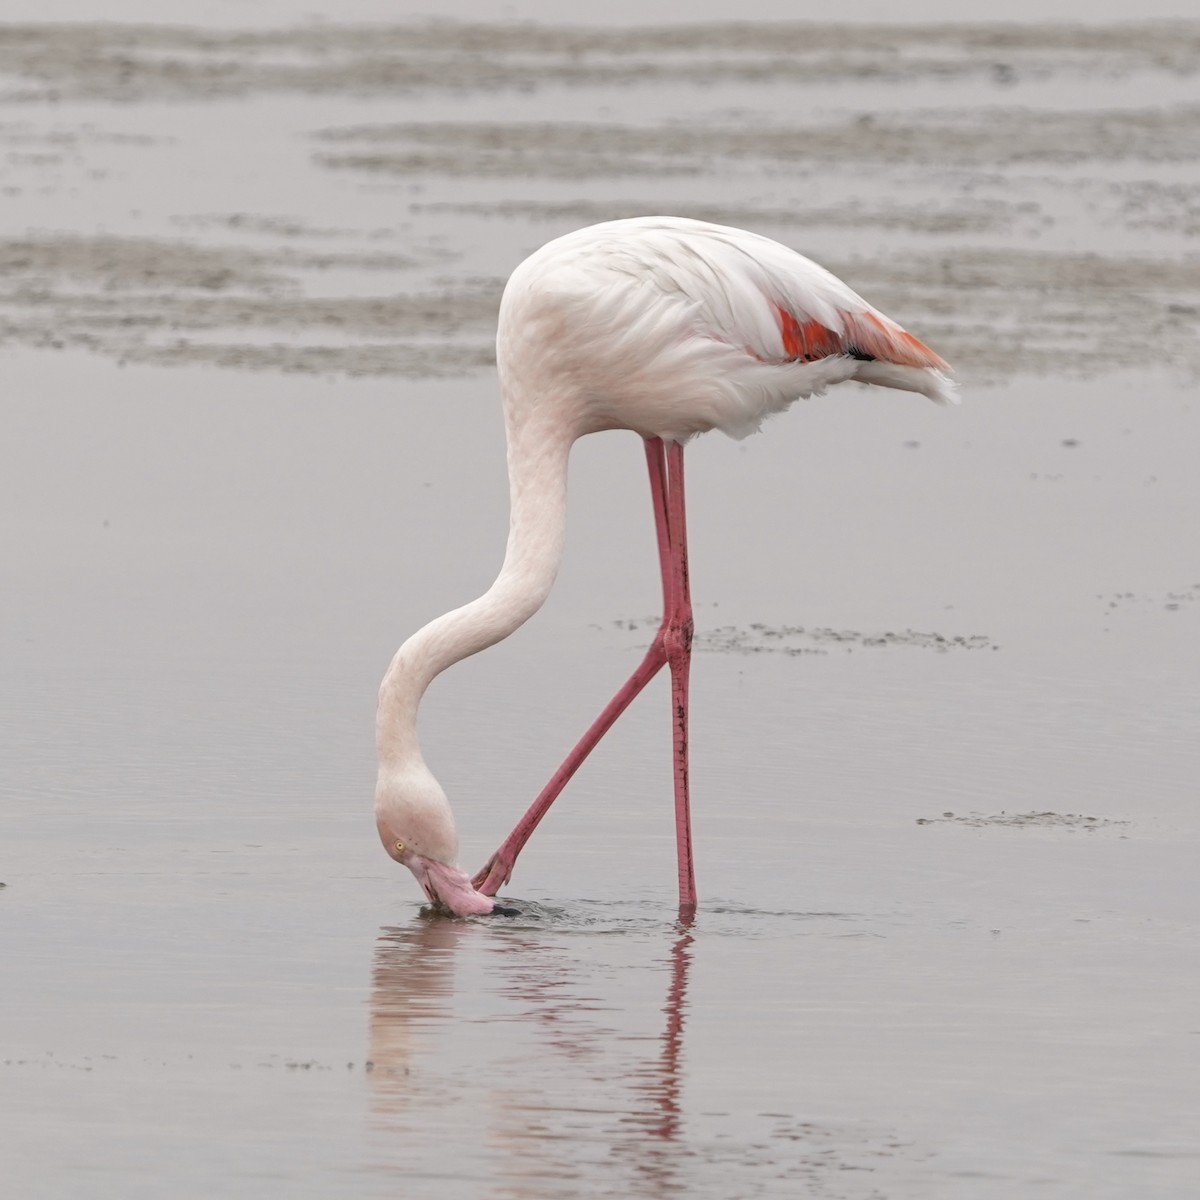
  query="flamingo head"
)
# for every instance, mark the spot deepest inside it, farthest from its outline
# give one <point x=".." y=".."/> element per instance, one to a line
<point x="448" y="887"/>
<point x="417" y="830"/>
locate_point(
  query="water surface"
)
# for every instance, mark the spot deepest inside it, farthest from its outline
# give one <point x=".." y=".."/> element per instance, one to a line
<point x="945" y="696"/>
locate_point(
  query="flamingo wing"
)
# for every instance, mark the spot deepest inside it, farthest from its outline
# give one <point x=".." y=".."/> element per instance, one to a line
<point x="683" y="326"/>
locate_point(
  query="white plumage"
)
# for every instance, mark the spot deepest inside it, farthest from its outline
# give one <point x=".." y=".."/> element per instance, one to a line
<point x="673" y="327"/>
<point x="670" y="328"/>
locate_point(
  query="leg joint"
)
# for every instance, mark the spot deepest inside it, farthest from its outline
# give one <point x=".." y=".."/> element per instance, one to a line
<point x="677" y="639"/>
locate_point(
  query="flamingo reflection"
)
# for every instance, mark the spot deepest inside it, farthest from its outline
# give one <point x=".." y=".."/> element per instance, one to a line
<point x="506" y="1051"/>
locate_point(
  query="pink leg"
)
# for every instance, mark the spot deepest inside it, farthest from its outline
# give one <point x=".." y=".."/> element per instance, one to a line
<point x="672" y="644"/>
<point x="678" y="646"/>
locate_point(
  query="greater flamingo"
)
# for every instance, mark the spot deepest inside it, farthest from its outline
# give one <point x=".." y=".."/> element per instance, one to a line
<point x="668" y="327"/>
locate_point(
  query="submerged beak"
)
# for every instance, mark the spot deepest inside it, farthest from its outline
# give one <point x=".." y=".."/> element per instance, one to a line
<point x="449" y="889"/>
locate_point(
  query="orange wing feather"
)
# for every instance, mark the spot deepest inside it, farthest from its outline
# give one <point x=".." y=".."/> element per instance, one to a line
<point x="866" y="335"/>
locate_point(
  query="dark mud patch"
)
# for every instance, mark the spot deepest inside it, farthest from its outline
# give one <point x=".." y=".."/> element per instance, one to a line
<point x="289" y="228"/>
<point x="982" y="137"/>
<point x="1071" y="822"/>
<point x="162" y="301"/>
<point x="140" y="62"/>
<point x="969" y="221"/>
<point x="166" y="302"/>
<point x="35" y="265"/>
<point x="795" y="640"/>
<point x="1171" y="601"/>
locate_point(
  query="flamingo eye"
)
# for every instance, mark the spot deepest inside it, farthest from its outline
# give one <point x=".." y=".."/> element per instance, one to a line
<point x="400" y="847"/>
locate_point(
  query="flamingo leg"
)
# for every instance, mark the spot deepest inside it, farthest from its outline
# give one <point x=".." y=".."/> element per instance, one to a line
<point x="498" y="869"/>
<point x="679" y="627"/>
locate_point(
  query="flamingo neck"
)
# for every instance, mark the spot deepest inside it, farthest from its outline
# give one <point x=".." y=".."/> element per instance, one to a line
<point x="537" y="471"/>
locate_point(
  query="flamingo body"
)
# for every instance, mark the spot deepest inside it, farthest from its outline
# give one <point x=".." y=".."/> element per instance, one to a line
<point x="669" y="328"/>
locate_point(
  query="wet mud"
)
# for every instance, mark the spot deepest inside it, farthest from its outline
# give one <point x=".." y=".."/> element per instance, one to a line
<point x="139" y="63"/>
<point x="757" y="638"/>
<point x="1031" y="820"/>
<point x="1042" y="186"/>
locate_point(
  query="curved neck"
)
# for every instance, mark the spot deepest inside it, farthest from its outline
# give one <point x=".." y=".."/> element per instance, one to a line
<point x="537" y="473"/>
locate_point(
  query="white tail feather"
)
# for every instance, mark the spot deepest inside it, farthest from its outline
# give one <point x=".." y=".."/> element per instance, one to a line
<point x="926" y="381"/>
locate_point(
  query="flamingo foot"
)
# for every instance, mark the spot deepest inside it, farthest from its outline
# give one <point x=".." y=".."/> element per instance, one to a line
<point x="494" y="874"/>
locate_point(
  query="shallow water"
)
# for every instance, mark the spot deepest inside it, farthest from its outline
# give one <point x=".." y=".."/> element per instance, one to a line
<point x="945" y="691"/>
